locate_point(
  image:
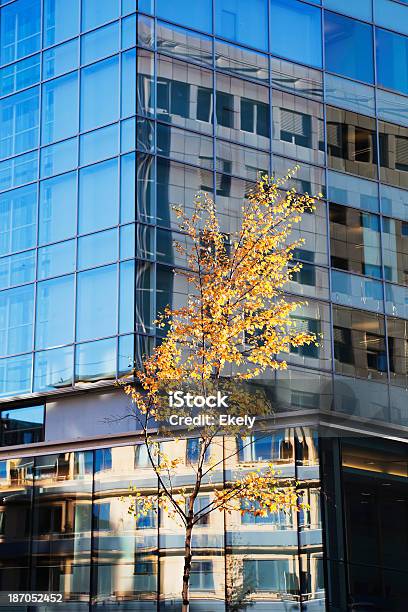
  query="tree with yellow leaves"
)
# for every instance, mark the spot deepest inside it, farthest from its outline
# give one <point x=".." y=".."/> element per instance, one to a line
<point x="235" y="325"/>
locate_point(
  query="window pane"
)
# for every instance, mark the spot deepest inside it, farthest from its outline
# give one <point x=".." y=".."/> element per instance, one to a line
<point x="192" y="13"/>
<point x="242" y="111"/>
<point x="18" y="219"/>
<point x="19" y="75"/>
<point x="394" y="202"/>
<point x="98" y="196"/>
<point x="351" y="142"/>
<point x="240" y="161"/>
<point x="56" y="259"/>
<point x="233" y="16"/>
<point x="57" y="218"/>
<point x="392" y="107"/>
<point x="53" y="369"/>
<point x="304" y="24"/>
<point x="61" y="20"/>
<point x="96" y="12"/>
<point x="16" y="320"/>
<point x="360" y="9"/>
<point x="177" y="183"/>
<point x="184" y="95"/>
<point x="391" y="15"/>
<point x="100" y="43"/>
<point x="127" y="301"/>
<point x="359" y="343"/>
<point x="184" y="44"/>
<point x="350" y="95"/>
<point x="100" y="94"/>
<point x="23" y="425"/>
<point x="392" y="60"/>
<point x="17" y="269"/>
<point x="144" y="33"/>
<point x="128" y="185"/>
<point x="128" y="99"/>
<point x="393" y="154"/>
<point x="19" y="116"/>
<point x="60" y="108"/>
<point x="351" y="190"/>
<point x="97" y="303"/>
<point x="95" y="360"/>
<point x="355" y="241"/>
<point x="349" y="47"/>
<point x="98" y="249"/>
<point x="396" y="300"/>
<point x="18" y="170"/>
<point x="99" y="144"/>
<point x="20" y="29"/>
<point x="15" y="375"/>
<point x="297" y="79"/>
<point x="128" y="38"/>
<point x="397" y="341"/>
<point x="54" y="324"/>
<point x="60" y="59"/>
<point x="145" y="85"/>
<point x="395" y="245"/>
<point x="59" y="158"/>
<point x="298" y="130"/>
<point x="357" y="291"/>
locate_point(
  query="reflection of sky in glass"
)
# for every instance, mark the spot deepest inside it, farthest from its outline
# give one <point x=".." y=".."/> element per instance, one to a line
<point x="32" y="414"/>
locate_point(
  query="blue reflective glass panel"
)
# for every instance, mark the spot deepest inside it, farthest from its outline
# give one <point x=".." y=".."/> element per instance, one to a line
<point x="97" y="303"/>
<point x="129" y="30"/>
<point x="56" y="259"/>
<point x="53" y="369"/>
<point x="349" y="47"/>
<point x="126" y="354"/>
<point x="20" y="26"/>
<point x="97" y="12"/>
<point x="98" y="196"/>
<point x="98" y="249"/>
<point x="361" y="9"/>
<point x="392" y="60"/>
<point x="128" y="103"/>
<point x="100" y="94"/>
<point x="95" y="360"/>
<point x="192" y="13"/>
<point x="16" y="320"/>
<point x="232" y="19"/>
<point x="17" y="269"/>
<point x="19" y="122"/>
<point x="60" y="59"/>
<point x="296" y="31"/>
<point x="55" y="312"/>
<point x="60" y="108"/>
<point x="18" y="170"/>
<point x="100" y="144"/>
<point x="127" y="299"/>
<point x="59" y="158"/>
<point x="61" y="20"/>
<point x="391" y="15"/>
<point x="20" y="75"/>
<point x="57" y="216"/>
<point x="15" y="375"/>
<point x="18" y="219"/>
<point x="100" y="43"/>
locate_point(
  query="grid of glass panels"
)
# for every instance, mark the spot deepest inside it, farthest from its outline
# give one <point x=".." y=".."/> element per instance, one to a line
<point x="79" y="539"/>
<point x="104" y="106"/>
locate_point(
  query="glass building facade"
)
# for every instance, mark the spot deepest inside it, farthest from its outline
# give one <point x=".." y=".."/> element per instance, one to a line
<point x="111" y="112"/>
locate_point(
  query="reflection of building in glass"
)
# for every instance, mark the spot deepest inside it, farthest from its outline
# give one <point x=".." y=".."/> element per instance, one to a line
<point x="113" y="111"/>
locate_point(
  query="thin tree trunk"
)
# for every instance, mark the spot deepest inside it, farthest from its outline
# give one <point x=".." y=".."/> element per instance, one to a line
<point x="187" y="569"/>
